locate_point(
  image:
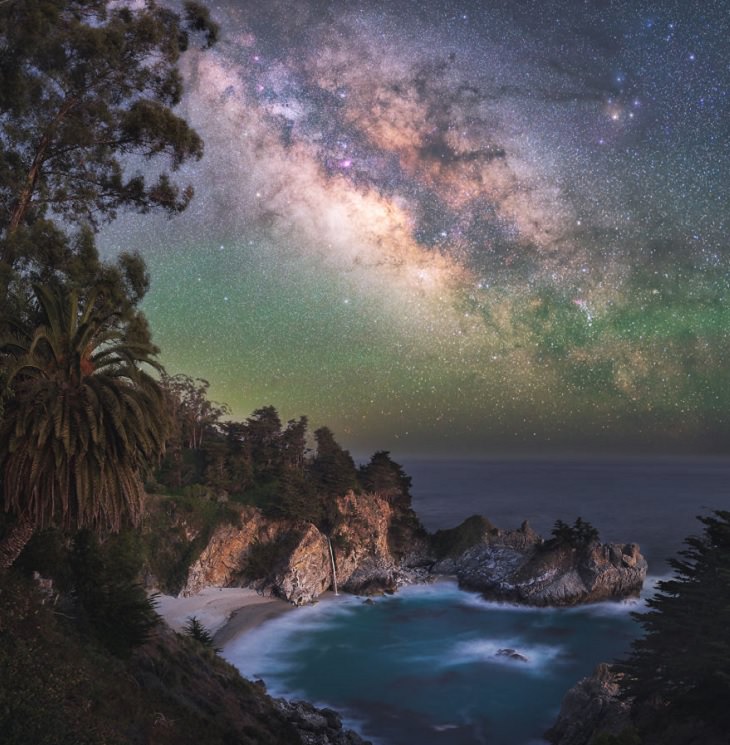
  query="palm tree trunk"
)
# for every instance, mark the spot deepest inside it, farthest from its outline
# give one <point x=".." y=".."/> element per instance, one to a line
<point x="15" y="541"/>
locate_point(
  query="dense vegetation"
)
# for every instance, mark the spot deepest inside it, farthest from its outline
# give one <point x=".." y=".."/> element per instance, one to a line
<point x="678" y="675"/>
<point x="84" y="85"/>
<point x="259" y="462"/>
<point x="581" y="535"/>
<point x="70" y="676"/>
<point x="262" y="460"/>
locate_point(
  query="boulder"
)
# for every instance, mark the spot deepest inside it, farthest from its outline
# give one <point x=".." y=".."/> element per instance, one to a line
<point x="511" y="654"/>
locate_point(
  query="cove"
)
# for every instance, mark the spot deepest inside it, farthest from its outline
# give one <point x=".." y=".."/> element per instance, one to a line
<point x="422" y="667"/>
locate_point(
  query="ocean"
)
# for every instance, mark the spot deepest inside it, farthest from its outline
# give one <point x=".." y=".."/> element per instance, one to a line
<point x="422" y="667"/>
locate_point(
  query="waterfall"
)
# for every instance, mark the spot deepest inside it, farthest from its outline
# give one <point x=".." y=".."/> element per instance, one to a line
<point x="334" y="571"/>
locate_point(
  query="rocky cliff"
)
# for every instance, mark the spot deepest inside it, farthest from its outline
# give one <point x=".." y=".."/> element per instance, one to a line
<point x="378" y="544"/>
<point x="591" y="707"/>
<point x="518" y="566"/>
<point x="291" y="559"/>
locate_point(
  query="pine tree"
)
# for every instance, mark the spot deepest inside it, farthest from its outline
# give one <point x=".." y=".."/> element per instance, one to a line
<point x="83" y="84"/>
<point x="332" y="469"/>
<point x="386" y="477"/>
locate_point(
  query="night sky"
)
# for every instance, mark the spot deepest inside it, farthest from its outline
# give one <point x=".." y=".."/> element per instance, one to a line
<point x="457" y="227"/>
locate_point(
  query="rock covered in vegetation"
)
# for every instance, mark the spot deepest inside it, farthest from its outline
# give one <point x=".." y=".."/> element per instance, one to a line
<point x="291" y="558"/>
<point x="456" y="546"/>
<point x="518" y="566"/>
<point x="592" y="706"/>
<point x="554" y="576"/>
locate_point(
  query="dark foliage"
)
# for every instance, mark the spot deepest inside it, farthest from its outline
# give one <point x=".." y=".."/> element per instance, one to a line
<point x="195" y="630"/>
<point x="60" y="688"/>
<point x="679" y="672"/>
<point x="82" y="85"/>
<point x="176" y="529"/>
<point x="266" y="557"/>
<point x="580" y="535"/>
<point x="454" y="541"/>
<point x="116" y="606"/>
<point x="385" y="477"/>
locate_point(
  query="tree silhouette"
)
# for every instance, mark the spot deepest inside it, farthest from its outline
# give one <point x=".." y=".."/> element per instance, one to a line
<point x="680" y="668"/>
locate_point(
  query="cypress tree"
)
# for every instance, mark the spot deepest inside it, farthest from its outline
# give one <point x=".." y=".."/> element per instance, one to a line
<point x="680" y="669"/>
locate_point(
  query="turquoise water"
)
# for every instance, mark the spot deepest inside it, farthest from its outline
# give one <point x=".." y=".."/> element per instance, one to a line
<point x="420" y="667"/>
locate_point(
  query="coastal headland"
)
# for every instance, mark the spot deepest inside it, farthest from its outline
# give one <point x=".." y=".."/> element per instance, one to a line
<point x="254" y="568"/>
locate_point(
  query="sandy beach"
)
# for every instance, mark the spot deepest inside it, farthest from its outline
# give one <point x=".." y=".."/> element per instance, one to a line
<point x="226" y="612"/>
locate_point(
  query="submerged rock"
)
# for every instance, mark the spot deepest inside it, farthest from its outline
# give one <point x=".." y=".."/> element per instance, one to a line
<point x="590" y="707"/>
<point x="512" y="654"/>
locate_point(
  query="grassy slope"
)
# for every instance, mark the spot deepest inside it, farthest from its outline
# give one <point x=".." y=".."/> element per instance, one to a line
<point x="59" y="686"/>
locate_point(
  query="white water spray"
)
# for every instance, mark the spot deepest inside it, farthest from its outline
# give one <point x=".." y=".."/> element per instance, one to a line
<point x="334" y="570"/>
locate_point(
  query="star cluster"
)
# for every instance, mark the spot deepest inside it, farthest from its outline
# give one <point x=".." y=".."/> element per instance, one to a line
<point x="457" y="227"/>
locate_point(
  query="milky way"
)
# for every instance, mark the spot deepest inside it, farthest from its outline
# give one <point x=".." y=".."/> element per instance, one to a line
<point x="454" y="227"/>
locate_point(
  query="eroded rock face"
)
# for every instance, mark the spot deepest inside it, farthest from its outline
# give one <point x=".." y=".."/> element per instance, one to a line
<point x="379" y="545"/>
<point x="363" y="559"/>
<point x="590" y="707"/>
<point x="307" y="572"/>
<point x="223" y="560"/>
<point x="298" y="564"/>
<point x="300" y="567"/>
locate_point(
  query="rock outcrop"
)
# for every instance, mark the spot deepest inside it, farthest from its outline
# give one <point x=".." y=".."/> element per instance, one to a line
<point x="291" y="558"/>
<point x="284" y="557"/>
<point x="518" y="566"/>
<point x="306" y="572"/>
<point x="378" y="545"/>
<point x="462" y="546"/>
<point x="317" y="726"/>
<point x="591" y="707"/>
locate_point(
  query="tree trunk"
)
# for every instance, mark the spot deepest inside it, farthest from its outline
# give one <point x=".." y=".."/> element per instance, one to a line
<point x="31" y="181"/>
<point x="15" y="540"/>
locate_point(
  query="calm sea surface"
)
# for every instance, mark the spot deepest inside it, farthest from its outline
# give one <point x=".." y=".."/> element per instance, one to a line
<point x="421" y="667"/>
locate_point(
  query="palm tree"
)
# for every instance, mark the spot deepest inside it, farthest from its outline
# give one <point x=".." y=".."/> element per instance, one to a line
<point x="83" y="419"/>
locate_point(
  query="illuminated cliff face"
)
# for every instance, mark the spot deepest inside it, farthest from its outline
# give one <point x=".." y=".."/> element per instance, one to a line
<point x="437" y="231"/>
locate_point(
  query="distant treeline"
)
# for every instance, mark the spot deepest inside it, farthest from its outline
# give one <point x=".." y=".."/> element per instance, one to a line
<point x="262" y="460"/>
